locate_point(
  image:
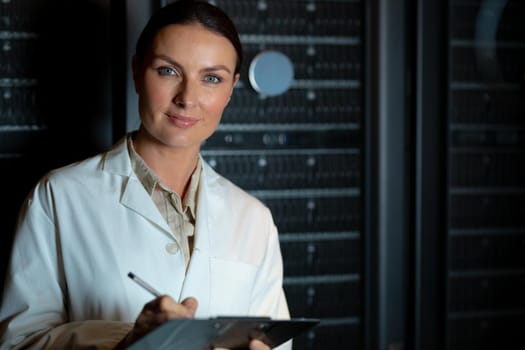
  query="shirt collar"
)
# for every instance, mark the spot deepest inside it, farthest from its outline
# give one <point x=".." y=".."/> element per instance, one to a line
<point x="150" y="180"/>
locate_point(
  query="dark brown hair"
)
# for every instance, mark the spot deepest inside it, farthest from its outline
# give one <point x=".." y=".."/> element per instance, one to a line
<point x="186" y="12"/>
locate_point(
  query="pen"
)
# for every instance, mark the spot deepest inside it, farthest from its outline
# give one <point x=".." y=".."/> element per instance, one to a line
<point x="144" y="285"/>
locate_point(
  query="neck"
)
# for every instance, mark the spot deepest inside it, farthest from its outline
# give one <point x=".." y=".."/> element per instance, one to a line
<point x="174" y="166"/>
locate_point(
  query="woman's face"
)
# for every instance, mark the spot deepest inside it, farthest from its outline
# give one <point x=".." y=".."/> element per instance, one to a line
<point x="184" y="84"/>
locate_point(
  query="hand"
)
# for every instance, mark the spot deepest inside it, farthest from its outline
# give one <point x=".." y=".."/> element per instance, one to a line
<point x="258" y="345"/>
<point x="155" y="313"/>
<point x="254" y="345"/>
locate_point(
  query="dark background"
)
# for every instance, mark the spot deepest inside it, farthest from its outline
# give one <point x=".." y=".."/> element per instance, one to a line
<point x="394" y="166"/>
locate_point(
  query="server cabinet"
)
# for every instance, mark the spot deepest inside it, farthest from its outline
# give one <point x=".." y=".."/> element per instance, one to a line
<point x="301" y="154"/>
<point x="20" y="107"/>
<point x="485" y="184"/>
<point x="54" y="94"/>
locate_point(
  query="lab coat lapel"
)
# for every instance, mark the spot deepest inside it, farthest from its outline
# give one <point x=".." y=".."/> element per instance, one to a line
<point x="134" y="195"/>
<point x="135" y="198"/>
<point x="198" y="279"/>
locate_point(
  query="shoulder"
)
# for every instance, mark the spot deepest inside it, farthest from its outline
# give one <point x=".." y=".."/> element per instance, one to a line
<point x="64" y="179"/>
<point x="73" y="172"/>
<point x="94" y="168"/>
<point x="234" y="195"/>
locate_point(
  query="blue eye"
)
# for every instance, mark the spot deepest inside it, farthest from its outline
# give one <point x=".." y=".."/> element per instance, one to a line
<point x="212" y="79"/>
<point x="166" y="71"/>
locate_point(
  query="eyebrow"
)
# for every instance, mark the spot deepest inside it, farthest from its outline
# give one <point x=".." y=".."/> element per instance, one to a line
<point x="207" y="69"/>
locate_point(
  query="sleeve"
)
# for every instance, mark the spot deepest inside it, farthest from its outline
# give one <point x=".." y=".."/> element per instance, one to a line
<point x="268" y="296"/>
<point x="33" y="313"/>
<point x="100" y="335"/>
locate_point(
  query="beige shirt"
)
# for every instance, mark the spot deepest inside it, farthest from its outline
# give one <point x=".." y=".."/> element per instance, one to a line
<point x="178" y="213"/>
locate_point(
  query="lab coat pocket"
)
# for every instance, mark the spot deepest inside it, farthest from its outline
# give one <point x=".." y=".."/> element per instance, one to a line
<point x="231" y="287"/>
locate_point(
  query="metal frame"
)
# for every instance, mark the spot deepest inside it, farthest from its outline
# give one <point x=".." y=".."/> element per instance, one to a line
<point x="387" y="192"/>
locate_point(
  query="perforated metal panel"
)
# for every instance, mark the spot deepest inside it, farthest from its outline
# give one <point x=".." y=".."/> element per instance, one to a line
<point x="486" y="186"/>
<point x="54" y="94"/>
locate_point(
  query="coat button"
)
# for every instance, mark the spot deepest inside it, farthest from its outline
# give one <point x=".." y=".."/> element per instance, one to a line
<point x="172" y="248"/>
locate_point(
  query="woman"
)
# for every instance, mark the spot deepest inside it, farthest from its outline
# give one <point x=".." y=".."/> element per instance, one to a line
<point x="149" y="205"/>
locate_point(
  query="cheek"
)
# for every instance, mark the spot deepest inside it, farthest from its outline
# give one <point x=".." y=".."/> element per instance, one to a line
<point x="156" y="93"/>
<point x="217" y="103"/>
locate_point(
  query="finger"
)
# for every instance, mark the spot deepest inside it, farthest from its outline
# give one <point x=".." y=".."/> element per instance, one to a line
<point x="147" y="320"/>
<point x="147" y="316"/>
<point x="167" y="303"/>
<point x="191" y="305"/>
<point x="171" y="309"/>
<point x="156" y="304"/>
<point x="258" y="345"/>
<point x="159" y="311"/>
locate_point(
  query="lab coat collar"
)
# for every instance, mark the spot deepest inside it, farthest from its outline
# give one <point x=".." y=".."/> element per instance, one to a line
<point x="134" y="196"/>
<point x="116" y="160"/>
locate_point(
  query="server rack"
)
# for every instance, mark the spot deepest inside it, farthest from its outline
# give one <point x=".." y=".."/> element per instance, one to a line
<point x="485" y="308"/>
<point x="19" y="108"/>
<point x="301" y="154"/>
<point x="54" y="94"/>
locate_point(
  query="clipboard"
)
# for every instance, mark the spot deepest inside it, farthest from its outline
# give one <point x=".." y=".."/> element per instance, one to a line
<point x="232" y="333"/>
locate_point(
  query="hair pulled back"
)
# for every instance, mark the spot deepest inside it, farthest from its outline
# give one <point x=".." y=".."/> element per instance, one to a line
<point x="187" y="12"/>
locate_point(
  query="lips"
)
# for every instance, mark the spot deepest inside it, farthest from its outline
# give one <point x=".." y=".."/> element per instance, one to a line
<point x="182" y="121"/>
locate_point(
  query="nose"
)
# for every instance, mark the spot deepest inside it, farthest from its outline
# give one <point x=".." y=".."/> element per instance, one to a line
<point x="185" y="94"/>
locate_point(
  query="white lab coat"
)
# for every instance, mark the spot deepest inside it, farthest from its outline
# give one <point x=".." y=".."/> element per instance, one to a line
<point x="85" y="226"/>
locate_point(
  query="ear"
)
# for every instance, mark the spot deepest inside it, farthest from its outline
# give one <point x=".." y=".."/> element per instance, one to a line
<point x="235" y="81"/>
